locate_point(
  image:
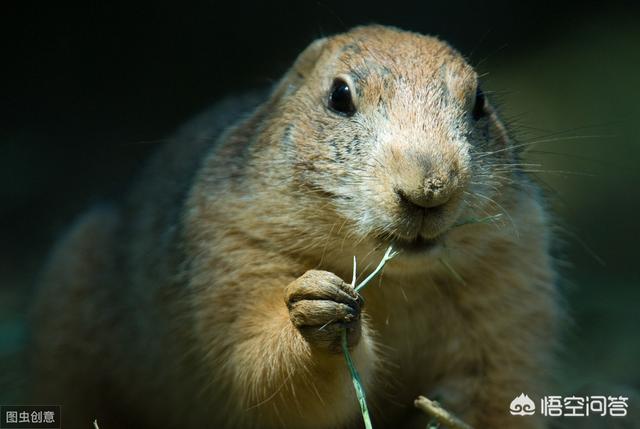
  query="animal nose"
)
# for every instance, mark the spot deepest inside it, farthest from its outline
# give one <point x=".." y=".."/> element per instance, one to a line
<point x="434" y="193"/>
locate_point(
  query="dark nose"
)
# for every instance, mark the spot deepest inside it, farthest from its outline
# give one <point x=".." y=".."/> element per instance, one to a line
<point x="434" y="193"/>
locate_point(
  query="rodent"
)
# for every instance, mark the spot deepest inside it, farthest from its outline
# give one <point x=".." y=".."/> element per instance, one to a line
<point x="214" y="295"/>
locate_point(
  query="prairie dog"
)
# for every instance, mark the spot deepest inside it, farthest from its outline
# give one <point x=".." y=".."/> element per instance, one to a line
<point x="214" y="294"/>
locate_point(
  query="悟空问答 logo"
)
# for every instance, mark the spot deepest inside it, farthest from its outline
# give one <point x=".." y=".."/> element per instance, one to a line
<point x="522" y="406"/>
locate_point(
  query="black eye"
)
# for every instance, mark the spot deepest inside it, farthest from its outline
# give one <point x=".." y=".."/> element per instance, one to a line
<point x="340" y="99"/>
<point x="479" y="110"/>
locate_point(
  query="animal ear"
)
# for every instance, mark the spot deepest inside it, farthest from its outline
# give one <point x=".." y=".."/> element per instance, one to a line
<point x="308" y="58"/>
<point x="301" y="68"/>
<point x="498" y="129"/>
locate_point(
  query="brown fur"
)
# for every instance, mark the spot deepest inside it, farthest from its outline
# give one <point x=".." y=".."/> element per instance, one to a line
<point x="212" y="297"/>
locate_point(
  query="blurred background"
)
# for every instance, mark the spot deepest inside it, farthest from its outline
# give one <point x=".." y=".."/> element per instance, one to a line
<point x="89" y="91"/>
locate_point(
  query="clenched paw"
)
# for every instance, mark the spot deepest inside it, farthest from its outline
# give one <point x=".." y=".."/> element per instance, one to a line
<point x="321" y="306"/>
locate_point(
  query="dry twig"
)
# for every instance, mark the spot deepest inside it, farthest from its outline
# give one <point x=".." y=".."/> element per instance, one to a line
<point x="444" y="417"/>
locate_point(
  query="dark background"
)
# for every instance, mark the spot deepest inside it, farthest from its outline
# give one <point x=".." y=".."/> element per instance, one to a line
<point x="88" y="91"/>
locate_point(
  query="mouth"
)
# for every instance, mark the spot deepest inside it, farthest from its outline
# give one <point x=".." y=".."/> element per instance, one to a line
<point x="416" y="245"/>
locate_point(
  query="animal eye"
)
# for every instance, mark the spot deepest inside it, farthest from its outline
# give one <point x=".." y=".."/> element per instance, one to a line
<point x="340" y="99"/>
<point x="479" y="110"/>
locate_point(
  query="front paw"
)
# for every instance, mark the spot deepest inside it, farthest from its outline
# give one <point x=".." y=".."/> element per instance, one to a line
<point x="321" y="306"/>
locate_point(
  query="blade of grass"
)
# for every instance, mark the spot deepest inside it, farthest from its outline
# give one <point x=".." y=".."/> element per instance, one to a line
<point x="355" y="377"/>
<point x="488" y="219"/>
<point x="453" y="272"/>
<point x="357" y="384"/>
<point x="390" y="253"/>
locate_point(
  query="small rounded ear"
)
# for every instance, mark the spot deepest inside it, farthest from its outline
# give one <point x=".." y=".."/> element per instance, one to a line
<point x="498" y="129"/>
<point x="308" y="58"/>
<point x="304" y="63"/>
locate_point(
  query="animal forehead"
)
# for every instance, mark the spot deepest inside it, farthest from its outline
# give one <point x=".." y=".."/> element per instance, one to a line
<point x="373" y="53"/>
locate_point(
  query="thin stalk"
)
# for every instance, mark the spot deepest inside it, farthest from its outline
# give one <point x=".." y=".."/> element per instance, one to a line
<point x="486" y="219"/>
<point x="357" y="383"/>
<point x="355" y="377"/>
<point x="390" y="253"/>
<point x="433" y="409"/>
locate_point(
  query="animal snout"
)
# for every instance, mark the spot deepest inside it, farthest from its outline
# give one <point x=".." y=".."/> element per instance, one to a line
<point x="432" y="193"/>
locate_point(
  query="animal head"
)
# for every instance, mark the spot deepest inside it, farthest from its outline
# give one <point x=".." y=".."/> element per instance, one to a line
<point x="393" y="128"/>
